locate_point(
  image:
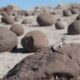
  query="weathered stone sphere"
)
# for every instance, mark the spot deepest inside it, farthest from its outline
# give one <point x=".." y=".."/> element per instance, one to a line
<point x="67" y="13"/>
<point x="60" y="24"/>
<point x="74" y="11"/>
<point x="74" y="28"/>
<point x="17" y="18"/>
<point x="34" y="40"/>
<point x="7" y="19"/>
<point x="18" y="29"/>
<point x="8" y="40"/>
<point x="26" y="21"/>
<point x="45" y="19"/>
<point x="78" y="17"/>
<point x="28" y="13"/>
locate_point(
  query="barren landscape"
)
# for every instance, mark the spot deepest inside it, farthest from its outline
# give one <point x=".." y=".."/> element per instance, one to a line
<point x="55" y="36"/>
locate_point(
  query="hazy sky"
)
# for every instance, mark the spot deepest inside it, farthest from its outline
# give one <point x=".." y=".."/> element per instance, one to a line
<point x="26" y="4"/>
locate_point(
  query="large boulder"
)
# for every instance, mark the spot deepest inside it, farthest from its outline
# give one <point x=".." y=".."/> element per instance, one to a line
<point x="49" y="64"/>
<point x="7" y="19"/>
<point x="8" y="40"/>
<point x="18" y="29"/>
<point x="46" y="19"/>
<point x="34" y="40"/>
<point x="74" y="28"/>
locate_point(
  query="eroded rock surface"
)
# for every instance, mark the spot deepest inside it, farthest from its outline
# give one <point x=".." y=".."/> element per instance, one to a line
<point x="49" y="64"/>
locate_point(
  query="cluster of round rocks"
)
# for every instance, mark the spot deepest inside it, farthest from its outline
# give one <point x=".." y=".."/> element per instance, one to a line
<point x="47" y="63"/>
<point x="33" y="40"/>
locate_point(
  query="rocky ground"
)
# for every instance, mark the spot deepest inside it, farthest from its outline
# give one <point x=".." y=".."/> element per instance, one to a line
<point x="56" y="37"/>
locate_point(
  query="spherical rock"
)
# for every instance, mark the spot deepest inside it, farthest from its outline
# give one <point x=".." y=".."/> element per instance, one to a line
<point x="74" y="11"/>
<point x="18" y="29"/>
<point x="17" y="18"/>
<point x="34" y="41"/>
<point x="45" y="19"/>
<point x="7" y="19"/>
<point x="74" y="28"/>
<point x="26" y="21"/>
<point x="60" y="24"/>
<point x="8" y="40"/>
<point x="67" y="13"/>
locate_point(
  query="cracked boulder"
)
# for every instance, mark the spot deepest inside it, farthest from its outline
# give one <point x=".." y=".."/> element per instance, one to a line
<point x="27" y="21"/>
<point x="62" y="63"/>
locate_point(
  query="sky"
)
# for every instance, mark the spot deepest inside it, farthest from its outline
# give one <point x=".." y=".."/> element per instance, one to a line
<point x="29" y="4"/>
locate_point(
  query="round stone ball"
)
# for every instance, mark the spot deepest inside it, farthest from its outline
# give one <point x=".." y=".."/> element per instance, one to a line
<point x="18" y="29"/>
<point x="17" y="18"/>
<point x="74" y="11"/>
<point x="78" y="17"/>
<point x="74" y="28"/>
<point x="8" y="40"/>
<point x="34" y="40"/>
<point x="7" y="19"/>
<point x="60" y="24"/>
<point x="45" y="19"/>
<point x="67" y="13"/>
<point x="27" y="21"/>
